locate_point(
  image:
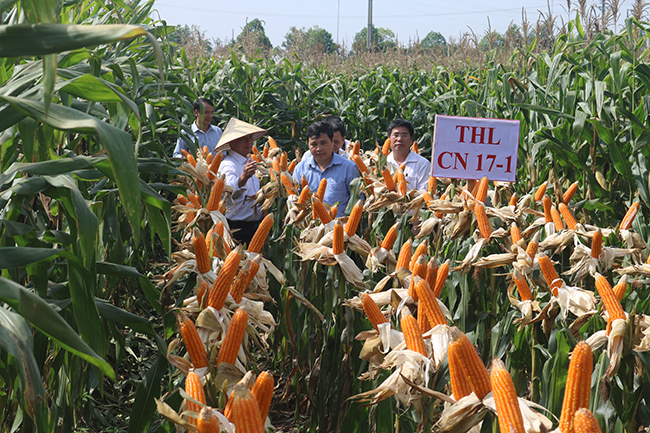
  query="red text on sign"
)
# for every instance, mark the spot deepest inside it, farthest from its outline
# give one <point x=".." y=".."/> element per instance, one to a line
<point x="478" y="134"/>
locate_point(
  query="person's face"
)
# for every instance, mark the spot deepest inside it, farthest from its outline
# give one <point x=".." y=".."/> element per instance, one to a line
<point x="208" y="113"/>
<point x="400" y="139"/>
<point x="337" y="141"/>
<point x="321" y="147"/>
<point x="243" y="145"/>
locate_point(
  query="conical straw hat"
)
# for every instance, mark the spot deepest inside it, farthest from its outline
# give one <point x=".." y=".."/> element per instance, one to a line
<point x="236" y="129"/>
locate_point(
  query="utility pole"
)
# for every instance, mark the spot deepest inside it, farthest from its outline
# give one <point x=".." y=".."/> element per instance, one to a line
<point x="338" y="17"/>
<point x="369" y="32"/>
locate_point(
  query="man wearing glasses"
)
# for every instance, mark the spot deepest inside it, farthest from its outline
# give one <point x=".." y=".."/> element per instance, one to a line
<point x="416" y="167"/>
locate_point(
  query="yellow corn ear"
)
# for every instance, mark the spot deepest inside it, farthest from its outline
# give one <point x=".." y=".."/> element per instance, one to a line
<point x="441" y="278"/>
<point x="597" y="244"/>
<point x="338" y="239"/>
<point x="550" y="275"/>
<point x="471" y="363"/>
<point x="585" y="422"/>
<point x="568" y="216"/>
<point x="404" y="257"/>
<point x="221" y="287"/>
<point x="570" y="192"/>
<point x="388" y="180"/>
<point x="390" y="237"/>
<point x="372" y="310"/>
<point x="257" y="242"/>
<point x="557" y="219"/>
<point x="208" y="422"/>
<point x="360" y="164"/>
<point x="385" y="149"/>
<point x="412" y="334"/>
<point x="263" y="392"/>
<point x="193" y="343"/>
<point x="628" y="219"/>
<point x="244" y="278"/>
<point x="215" y="193"/>
<point x="460" y="386"/>
<point x="515" y="233"/>
<point x="577" y="390"/>
<point x="419" y="251"/>
<point x="233" y="338"/>
<point x="482" y="220"/>
<point x="319" y="211"/>
<point x="620" y="288"/>
<point x="429" y="304"/>
<point x="505" y="399"/>
<point x="194" y="388"/>
<point x="547" y="209"/>
<point x="522" y="286"/>
<point x="355" y="217"/>
<point x="482" y="190"/>
<point x="610" y="301"/>
<point x="322" y="186"/>
<point x="201" y="251"/>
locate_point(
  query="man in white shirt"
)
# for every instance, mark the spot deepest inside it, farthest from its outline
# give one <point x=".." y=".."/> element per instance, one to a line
<point x="243" y="216"/>
<point x="205" y="134"/>
<point x="416" y="167"/>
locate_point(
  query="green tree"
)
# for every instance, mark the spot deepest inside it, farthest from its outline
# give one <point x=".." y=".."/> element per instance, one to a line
<point x="253" y="33"/>
<point x="492" y="40"/>
<point x="312" y="39"/>
<point x="434" y="39"/>
<point x="382" y="39"/>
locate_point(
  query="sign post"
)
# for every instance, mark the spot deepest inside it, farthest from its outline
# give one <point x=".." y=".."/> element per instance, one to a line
<point x="470" y="148"/>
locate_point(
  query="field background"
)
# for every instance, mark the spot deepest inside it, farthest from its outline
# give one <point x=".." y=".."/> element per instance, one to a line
<point x="89" y="115"/>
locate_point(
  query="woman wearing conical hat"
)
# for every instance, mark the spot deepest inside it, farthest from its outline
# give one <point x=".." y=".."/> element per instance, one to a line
<point x="243" y="217"/>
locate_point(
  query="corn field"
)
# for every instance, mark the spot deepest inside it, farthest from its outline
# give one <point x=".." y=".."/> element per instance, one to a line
<point x="127" y="306"/>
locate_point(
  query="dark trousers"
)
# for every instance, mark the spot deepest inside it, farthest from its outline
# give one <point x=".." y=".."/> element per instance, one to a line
<point x="243" y="231"/>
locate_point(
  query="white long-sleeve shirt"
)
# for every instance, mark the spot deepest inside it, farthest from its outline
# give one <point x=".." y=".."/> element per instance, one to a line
<point x="243" y="210"/>
<point x="416" y="170"/>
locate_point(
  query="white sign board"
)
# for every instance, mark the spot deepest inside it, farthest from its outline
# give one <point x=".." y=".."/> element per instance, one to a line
<point x="470" y="148"/>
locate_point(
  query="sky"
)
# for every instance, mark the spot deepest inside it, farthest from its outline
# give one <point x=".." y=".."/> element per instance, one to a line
<point x="408" y="19"/>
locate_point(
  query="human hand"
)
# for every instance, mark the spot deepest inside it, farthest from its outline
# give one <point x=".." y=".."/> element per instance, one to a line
<point x="249" y="171"/>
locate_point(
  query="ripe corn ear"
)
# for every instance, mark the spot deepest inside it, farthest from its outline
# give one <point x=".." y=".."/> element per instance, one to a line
<point x="322" y="186"/>
<point x="246" y="412"/>
<point x="194" y="388"/>
<point x="505" y="399"/>
<point x="568" y="216"/>
<point x="585" y="422"/>
<point x="570" y="192"/>
<point x="472" y="365"/>
<point x="390" y="237"/>
<point x="460" y="386"/>
<point x="263" y="392"/>
<point x="201" y="251"/>
<point x="221" y="287"/>
<point x="234" y="336"/>
<point x="319" y="211"/>
<point x="372" y="311"/>
<point x="388" y="180"/>
<point x="557" y="219"/>
<point x="597" y="244"/>
<point x="482" y="190"/>
<point x="441" y="278"/>
<point x="610" y="301"/>
<point x="522" y="286"/>
<point x="482" y="220"/>
<point x="547" y="209"/>
<point x="355" y="217"/>
<point x="550" y="275"/>
<point x="208" y="422"/>
<point x="244" y="278"/>
<point x="338" y="239"/>
<point x="413" y="335"/>
<point x="628" y="219"/>
<point x="193" y="343"/>
<point x="404" y="257"/>
<point x="429" y="304"/>
<point x="257" y="242"/>
<point x="577" y="390"/>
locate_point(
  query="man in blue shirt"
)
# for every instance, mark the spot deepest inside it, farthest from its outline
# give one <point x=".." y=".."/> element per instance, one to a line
<point x="324" y="163"/>
<point x="203" y="131"/>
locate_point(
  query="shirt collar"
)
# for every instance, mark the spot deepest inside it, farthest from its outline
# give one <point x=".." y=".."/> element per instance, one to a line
<point x="196" y="129"/>
<point x="409" y="158"/>
<point x="336" y="160"/>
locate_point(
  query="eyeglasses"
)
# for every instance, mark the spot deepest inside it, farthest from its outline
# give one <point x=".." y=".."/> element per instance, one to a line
<point x="403" y="135"/>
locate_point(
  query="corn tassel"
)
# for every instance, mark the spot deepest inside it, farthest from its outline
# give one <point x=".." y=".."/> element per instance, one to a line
<point x="246" y="412"/>
<point x="568" y="216"/>
<point x="257" y="242"/>
<point x="221" y="286"/>
<point x="522" y="286"/>
<point x="355" y="217"/>
<point x="577" y="390"/>
<point x="413" y="335"/>
<point x="201" y="253"/>
<point x="628" y="219"/>
<point x="474" y="369"/>
<point x="585" y="422"/>
<point x="505" y="399"/>
<point x="193" y="343"/>
<point x="404" y="257"/>
<point x="194" y="389"/>
<point x="569" y="193"/>
<point x="460" y="386"/>
<point x="319" y="211"/>
<point x="597" y="244"/>
<point x="263" y="392"/>
<point x="550" y="275"/>
<point x="373" y="312"/>
<point x="482" y="220"/>
<point x="234" y="337"/>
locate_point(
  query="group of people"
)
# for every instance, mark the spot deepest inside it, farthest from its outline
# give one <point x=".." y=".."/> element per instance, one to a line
<point x="326" y="160"/>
